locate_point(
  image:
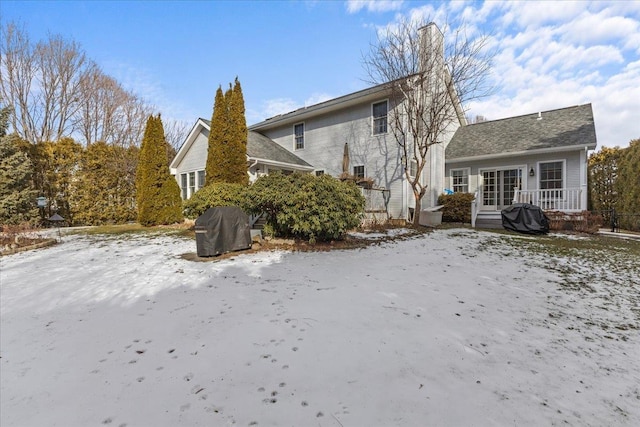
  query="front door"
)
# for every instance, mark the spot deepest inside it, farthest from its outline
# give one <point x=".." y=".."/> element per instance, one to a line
<point x="498" y="187"/>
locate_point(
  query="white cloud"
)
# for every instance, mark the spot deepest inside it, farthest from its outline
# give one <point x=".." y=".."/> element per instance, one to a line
<point x="557" y="54"/>
<point x="354" y="6"/>
<point x="594" y="28"/>
<point x="317" y="98"/>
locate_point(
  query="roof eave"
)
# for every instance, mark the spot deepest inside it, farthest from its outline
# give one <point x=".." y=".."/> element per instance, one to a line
<point x="281" y="164"/>
<point x="323" y="107"/>
<point x="590" y="146"/>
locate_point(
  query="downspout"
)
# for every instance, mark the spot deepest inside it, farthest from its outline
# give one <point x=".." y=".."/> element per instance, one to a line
<point x="255" y="163"/>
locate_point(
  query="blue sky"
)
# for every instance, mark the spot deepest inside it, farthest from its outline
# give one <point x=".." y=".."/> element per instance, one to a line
<point x="294" y="53"/>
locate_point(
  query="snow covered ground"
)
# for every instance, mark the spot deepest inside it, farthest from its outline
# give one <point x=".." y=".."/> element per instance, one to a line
<point x="455" y="327"/>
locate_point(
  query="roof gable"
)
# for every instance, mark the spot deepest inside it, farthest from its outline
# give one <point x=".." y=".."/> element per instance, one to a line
<point x="259" y="147"/>
<point x="547" y="130"/>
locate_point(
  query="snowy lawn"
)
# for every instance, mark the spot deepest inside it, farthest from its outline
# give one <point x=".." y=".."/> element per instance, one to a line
<point x="454" y="327"/>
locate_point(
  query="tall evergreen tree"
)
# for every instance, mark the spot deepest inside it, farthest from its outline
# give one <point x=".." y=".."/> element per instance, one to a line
<point x="157" y="192"/>
<point x="17" y="197"/>
<point x="238" y="134"/>
<point x="216" y="165"/>
<point x="227" y="156"/>
<point x="603" y="174"/>
<point x="628" y="184"/>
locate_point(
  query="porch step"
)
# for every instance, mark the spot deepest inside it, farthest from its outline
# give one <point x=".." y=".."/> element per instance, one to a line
<point x="260" y="223"/>
<point x="488" y="223"/>
<point x="491" y="220"/>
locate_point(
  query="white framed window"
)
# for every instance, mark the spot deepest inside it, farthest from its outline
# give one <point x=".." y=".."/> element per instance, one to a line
<point x="551" y="178"/>
<point x="460" y="180"/>
<point x="319" y="172"/>
<point x="192" y="183"/>
<point x="379" y="112"/>
<point x="413" y="168"/>
<point x="183" y="186"/>
<point x="298" y="135"/>
<point x="358" y="171"/>
<point x="200" y="179"/>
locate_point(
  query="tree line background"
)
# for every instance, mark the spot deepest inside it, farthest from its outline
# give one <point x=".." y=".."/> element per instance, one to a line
<point x="69" y="132"/>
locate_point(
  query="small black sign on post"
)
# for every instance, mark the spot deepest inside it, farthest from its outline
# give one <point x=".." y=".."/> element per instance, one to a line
<point x="57" y="219"/>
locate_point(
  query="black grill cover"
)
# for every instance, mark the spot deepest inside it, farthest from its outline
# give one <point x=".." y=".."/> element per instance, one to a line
<point x="525" y="218"/>
<point x="222" y="229"/>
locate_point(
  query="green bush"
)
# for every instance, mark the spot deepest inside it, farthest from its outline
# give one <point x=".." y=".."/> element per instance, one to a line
<point x="314" y="208"/>
<point x="217" y="194"/>
<point x="457" y="207"/>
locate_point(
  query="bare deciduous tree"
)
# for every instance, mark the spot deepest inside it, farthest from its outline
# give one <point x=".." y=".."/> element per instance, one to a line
<point x="108" y="112"/>
<point x="41" y="83"/>
<point x="430" y="76"/>
<point x="56" y="91"/>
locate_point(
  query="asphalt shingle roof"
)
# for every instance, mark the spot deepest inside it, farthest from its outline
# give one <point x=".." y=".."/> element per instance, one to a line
<point x="261" y="147"/>
<point x="565" y="127"/>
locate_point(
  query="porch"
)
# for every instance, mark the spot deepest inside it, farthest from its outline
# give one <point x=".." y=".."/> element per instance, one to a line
<point x="486" y="211"/>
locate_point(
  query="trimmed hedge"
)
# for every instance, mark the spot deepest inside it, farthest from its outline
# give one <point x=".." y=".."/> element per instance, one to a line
<point x="314" y="208"/>
<point x="217" y="194"/>
<point x="457" y="207"/>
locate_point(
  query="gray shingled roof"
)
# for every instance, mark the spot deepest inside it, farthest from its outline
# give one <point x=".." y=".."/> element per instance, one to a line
<point x="261" y="147"/>
<point x="565" y="127"/>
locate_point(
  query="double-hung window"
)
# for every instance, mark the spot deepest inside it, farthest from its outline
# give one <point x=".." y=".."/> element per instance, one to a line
<point x="298" y="131"/>
<point x="460" y="180"/>
<point x="413" y="168"/>
<point x="379" y="112"/>
<point x="358" y="171"/>
<point x="551" y="179"/>
<point x="183" y="186"/>
<point x="192" y="183"/>
<point x="200" y="179"/>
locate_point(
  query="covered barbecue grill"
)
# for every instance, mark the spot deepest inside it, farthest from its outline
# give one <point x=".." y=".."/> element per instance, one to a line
<point x="525" y="218"/>
<point x="222" y="229"/>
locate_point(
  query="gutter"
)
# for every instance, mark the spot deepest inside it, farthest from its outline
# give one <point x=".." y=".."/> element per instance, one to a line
<point x="280" y="164"/>
<point x="520" y="153"/>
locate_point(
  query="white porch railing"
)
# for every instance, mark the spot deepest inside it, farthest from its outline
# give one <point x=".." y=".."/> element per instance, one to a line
<point x="559" y="199"/>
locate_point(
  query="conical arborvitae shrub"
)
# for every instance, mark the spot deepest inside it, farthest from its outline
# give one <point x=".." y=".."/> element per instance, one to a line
<point x="238" y="134"/>
<point x="227" y="156"/>
<point x="157" y="192"/>
<point x="216" y="165"/>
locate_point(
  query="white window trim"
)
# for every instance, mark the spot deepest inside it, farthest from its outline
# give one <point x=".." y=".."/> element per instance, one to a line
<point x="468" y="169"/>
<point x="480" y="184"/>
<point x="304" y="131"/>
<point x="411" y="163"/>
<point x="564" y="175"/>
<point x="373" y="118"/>
<point x="184" y="191"/>
<point x="199" y="184"/>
